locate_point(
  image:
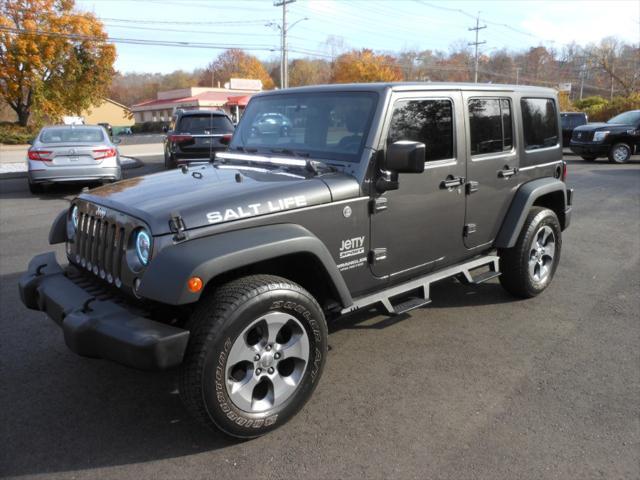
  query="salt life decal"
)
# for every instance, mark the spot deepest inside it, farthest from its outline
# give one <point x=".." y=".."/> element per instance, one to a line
<point x="252" y="209"/>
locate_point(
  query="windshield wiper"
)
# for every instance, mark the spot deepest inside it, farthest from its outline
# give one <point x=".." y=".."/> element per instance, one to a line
<point x="310" y="165"/>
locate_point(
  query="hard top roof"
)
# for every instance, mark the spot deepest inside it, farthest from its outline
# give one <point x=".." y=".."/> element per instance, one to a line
<point x="412" y="86"/>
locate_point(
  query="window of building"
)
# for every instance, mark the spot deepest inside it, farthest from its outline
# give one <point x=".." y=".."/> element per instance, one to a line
<point x="490" y="125"/>
<point x="539" y="123"/>
<point x="426" y="121"/>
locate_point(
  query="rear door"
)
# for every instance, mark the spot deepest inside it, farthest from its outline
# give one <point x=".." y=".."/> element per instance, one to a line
<point x="492" y="168"/>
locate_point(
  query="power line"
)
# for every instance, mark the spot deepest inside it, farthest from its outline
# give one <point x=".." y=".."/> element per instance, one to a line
<point x="176" y="22"/>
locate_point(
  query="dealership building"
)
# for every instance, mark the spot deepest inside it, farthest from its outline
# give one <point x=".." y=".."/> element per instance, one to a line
<point x="232" y="99"/>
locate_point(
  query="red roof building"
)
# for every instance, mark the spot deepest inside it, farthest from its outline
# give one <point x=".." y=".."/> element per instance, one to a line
<point x="161" y="109"/>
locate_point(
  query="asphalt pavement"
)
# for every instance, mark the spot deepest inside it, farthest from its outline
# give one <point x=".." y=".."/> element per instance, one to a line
<point x="478" y="385"/>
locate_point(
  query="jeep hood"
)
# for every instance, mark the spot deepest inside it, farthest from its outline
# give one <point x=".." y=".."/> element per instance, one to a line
<point x="211" y="194"/>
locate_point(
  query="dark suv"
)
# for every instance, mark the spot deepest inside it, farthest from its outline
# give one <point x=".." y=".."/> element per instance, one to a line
<point x="569" y="121"/>
<point x="195" y="135"/>
<point x="229" y="270"/>
<point x="617" y="139"/>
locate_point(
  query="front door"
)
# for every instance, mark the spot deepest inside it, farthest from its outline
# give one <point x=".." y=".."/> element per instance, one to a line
<point x="492" y="169"/>
<point x="420" y="225"/>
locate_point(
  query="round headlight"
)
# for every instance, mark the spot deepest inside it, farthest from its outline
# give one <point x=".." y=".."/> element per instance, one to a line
<point x="75" y="216"/>
<point x="143" y="246"/>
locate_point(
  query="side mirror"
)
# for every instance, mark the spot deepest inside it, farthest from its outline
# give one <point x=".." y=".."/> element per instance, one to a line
<point x="116" y="140"/>
<point x="30" y="142"/>
<point x="405" y="157"/>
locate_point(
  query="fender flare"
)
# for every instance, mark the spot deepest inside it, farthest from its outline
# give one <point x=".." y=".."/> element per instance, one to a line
<point x="522" y="202"/>
<point x="58" y="231"/>
<point x="165" y="280"/>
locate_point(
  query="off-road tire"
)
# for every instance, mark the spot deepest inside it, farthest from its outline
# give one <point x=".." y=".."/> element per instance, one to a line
<point x="619" y="147"/>
<point x="514" y="262"/>
<point x="217" y="321"/>
<point x="588" y="158"/>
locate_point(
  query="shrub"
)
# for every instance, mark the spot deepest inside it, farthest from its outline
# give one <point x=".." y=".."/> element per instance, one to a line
<point x="14" y="134"/>
<point x="148" y="127"/>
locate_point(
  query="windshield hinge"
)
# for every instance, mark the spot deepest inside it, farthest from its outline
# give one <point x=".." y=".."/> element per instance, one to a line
<point x="177" y="226"/>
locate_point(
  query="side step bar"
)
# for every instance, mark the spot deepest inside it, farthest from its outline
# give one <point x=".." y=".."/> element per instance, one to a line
<point x="422" y="286"/>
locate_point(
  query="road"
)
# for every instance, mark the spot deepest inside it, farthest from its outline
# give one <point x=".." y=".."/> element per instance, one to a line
<point x="476" y="385"/>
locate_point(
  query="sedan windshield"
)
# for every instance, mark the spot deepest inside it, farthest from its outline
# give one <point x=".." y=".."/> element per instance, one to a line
<point x="71" y="135"/>
<point x="626" y="118"/>
<point x="321" y="125"/>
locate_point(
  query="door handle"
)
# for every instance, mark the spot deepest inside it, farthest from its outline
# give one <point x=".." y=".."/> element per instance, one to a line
<point x="507" y="172"/>
<point x="451" y="182"/>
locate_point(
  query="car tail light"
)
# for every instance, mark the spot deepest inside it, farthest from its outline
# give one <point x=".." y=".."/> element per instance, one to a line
<point x="226" y="139"/>
<point x="104" y="153"/>
<point x="179" y="138"/>
<point x="564" y="171"/>
<point x="41" y="155"/>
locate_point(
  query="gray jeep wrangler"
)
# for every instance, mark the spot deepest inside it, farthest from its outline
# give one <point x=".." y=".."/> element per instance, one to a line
<point x="228" y="269"/>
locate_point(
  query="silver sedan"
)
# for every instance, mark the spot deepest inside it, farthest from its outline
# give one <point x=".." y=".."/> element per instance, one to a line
<point x="72" y="153"/>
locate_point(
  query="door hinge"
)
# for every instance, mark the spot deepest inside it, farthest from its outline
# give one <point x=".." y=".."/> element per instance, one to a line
<point x="469" y="228"/>
<point x="472" y="187"/>
<point x="377" y="255"/>
<point x="378" y="204"/>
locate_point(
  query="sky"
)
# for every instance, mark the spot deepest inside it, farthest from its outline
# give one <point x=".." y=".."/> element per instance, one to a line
<point x="381" y="25"/>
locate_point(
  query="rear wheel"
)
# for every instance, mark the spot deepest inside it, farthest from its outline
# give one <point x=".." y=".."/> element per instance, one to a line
<point x="256" y="352"/>
<point x="528" y="267"/>
<point x="619" y="153"/>
<point x="36" y="188"/>
<point x="589" y="158"/>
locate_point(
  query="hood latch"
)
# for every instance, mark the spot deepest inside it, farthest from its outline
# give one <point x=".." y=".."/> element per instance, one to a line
<point x="177" y="226"/>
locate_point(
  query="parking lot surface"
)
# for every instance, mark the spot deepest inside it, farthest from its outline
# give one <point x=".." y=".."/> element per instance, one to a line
<point x="476" y="385"/>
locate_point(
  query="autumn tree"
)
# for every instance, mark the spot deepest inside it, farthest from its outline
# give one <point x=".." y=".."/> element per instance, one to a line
<point x="365" y="66"/>
<point x="304" y="71"/>
<point x="53" y="59"/>
<point x="235" y="63"/>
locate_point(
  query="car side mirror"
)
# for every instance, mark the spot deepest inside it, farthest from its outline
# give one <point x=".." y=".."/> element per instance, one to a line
<point x="30" y="142"/>
<point x="116" y="140"/>
<point x="405" y="156"/>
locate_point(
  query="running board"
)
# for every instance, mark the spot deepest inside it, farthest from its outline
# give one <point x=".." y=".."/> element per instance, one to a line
<point x="423" y="284"/>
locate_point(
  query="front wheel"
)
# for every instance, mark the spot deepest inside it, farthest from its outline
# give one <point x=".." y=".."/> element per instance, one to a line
<point x="528" y="267"/>
<point x="620" y="153"/>
<point x="256" y="353"/>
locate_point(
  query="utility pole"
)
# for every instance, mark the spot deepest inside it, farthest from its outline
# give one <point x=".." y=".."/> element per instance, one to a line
<point x="613" y="72"/>
<point x="477" y="28"/>
<point x="518" y="75"/>
<point x="284" y="68"/>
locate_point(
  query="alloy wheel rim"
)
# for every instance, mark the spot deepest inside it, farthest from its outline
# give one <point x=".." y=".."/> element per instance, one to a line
<point x="620" y="154"/>
<point x="541" y="254"/>
<point x="266" y="362"/>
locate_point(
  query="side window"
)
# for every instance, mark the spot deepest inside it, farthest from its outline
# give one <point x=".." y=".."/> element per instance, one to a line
<point x="539" y="123"/>
<point x="426" y="121"/>
<point x="490" y="125"/>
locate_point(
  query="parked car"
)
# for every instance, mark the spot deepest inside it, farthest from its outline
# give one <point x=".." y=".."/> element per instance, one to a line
<point x="107" y="127"/>
<point x="271" y="124"/>
<point x="229" y="269"/>
<point x="617" y="139"/>
<point x="72" y="153"/>
<point x="194" y="135"/>
<point x="569" y="121"/>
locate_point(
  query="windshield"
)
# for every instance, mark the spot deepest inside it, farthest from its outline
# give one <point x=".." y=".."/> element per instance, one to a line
<point x="205" y="123"/>
<point x="626" y="118"/>
<point x="67" y="135"/>
<point x="321" y="125"/>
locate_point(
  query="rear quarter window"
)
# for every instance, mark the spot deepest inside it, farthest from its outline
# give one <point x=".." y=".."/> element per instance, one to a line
<point x="539" y="123"/>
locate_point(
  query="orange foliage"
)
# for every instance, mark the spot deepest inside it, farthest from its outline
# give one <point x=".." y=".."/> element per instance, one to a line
<point x="52" y="74"/>
<point x="235" y="63"/>
<point x="365" y="66"/>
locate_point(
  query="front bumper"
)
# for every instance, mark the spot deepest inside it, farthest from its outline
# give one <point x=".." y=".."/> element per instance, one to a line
<point x="99" y="328"/>
<point x="598" y="149"/>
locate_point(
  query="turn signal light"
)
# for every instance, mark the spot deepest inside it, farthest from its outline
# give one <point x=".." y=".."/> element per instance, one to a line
<point x="194" y="284"/>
